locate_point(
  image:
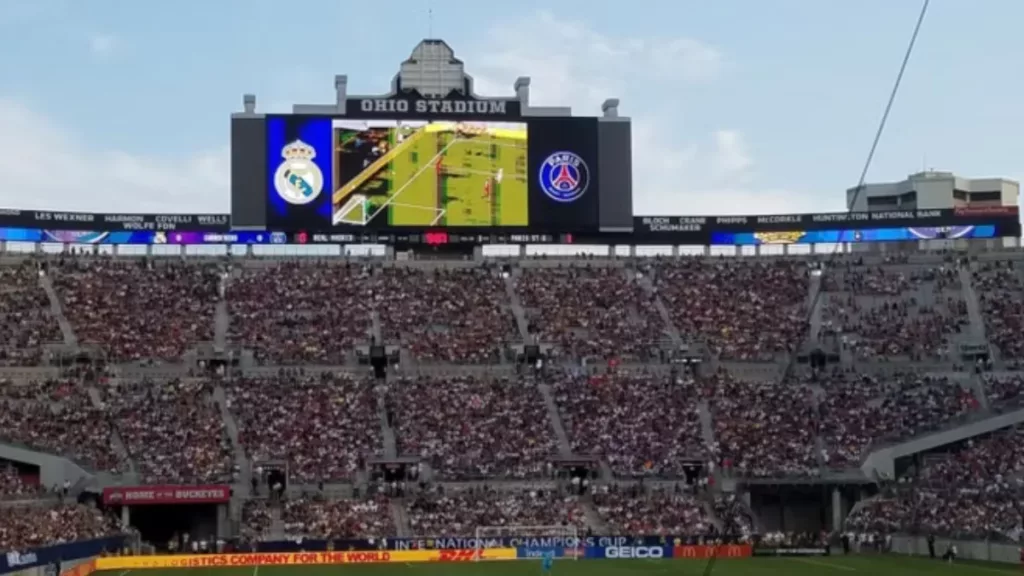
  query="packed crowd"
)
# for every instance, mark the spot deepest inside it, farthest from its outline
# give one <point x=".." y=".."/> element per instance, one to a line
<point x="898" y="312"/>
<point x="744" y="310"/>
<point x="992" y="464"/>
<point x="590" y="312"/>
<point x="1000" y="289"/>
<point x="303" y="313"/>
<point x="736" y="517"/>
<point x="67" y="425"/>
<point x="25" y="320"/>
<point x="473" y="427"/>
<point x="459" y="513"/>
<point x="172" y="430"/>
<point x="958" y="512"/>
<point x="139" y="309"/>
<point x="1004" y="388"/>
<point x="660" y="511"/>
<point x="882" y="515"/>
<point x="25" y="527"/>
<point x="332" y="519"/>
<point x="323" y="426"/>
<point x="256" y="519"/>
<point x="640" y="424"/>
<point x="860" y="410"/>
<point x="13" y="486"/>
<point x="470" y="427"/>
<point x="974" y="491"/>
<point x="297" y="313"/>
<point x="762" y="428"/>
<point x="446" y="315"/>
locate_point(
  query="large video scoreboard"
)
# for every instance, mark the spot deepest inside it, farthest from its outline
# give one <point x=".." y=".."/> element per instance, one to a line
<point x="854" y="227"/>
<point x="431" y="155"/>
<point x="431" y="163"/>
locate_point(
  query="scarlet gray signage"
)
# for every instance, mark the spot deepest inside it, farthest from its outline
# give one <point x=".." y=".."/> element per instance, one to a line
<point x="166" y="494"/>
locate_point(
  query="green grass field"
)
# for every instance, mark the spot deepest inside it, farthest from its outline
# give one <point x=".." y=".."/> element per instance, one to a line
<point x="436" y="176"/>
<point x="834" y="566"/>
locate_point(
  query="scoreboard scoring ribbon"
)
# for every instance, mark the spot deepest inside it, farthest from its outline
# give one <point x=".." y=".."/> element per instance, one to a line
<point x="301" y="558"/>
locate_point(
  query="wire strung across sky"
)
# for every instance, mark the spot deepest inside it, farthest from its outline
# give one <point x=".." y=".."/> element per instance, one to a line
<point x="859" y="189"/>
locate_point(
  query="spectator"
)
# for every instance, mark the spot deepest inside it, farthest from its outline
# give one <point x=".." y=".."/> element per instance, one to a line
<point x="459" y="513"/>
<point x="26" y="527"/>
<point x="755" y="310"/>
<point x="25" y="320"/>
<point x="641" y="424"/>
<point x="591" y="312"/>
<point x="321" y="425"/>
<point x="139" y="310"/>
<point x="331" y="519"/>
<point x="470" y="428"/>
<point x="172" y="430"/>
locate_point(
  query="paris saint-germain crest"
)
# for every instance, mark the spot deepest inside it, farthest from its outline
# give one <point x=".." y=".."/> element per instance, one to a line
<point x="564" y="176"/>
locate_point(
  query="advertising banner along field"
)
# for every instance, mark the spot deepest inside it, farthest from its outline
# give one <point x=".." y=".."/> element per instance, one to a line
<point x="301" y="558"/>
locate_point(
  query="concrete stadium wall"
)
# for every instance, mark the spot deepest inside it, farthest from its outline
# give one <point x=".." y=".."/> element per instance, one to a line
<point x="966" y="549"/>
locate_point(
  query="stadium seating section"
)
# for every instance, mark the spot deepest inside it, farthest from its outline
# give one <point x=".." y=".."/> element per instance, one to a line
<point x="458" y="402"/>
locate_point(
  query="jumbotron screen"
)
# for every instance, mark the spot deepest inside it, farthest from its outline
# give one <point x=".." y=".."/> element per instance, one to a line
<point x="430" y="174"/>
<point x="355" y="173"/>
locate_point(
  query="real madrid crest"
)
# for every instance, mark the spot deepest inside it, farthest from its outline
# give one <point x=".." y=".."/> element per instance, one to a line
<point x="298" y="179"/>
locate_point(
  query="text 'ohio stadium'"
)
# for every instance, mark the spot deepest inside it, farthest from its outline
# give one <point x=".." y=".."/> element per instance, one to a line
<point x="433" y="330"/>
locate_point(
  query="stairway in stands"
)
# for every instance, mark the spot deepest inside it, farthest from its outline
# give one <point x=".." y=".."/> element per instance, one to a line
<point x="815" y="305"/>
<point x="276" y="521"/>
<point x="116" y="442"/>
<point x="244" y="484"/>
<point x="400" y="518"/>
<point x="57" y="310"/>
<point x="564" y="448"/>
<point x="517" y="307"/>
<point x="645" y="283"/>
<point x="386" y="430"/>
<point x="977" y="320"/>
<point x="594" y="521"/>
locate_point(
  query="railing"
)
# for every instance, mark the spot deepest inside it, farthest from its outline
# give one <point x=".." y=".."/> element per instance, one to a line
<point x="987" y="550"/>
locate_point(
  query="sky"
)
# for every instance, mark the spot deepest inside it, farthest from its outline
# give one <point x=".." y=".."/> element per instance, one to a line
<point x="738" y="106"/>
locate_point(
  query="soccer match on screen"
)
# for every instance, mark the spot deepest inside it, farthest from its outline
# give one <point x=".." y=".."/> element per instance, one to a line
<point x="458" y="289"/>
<point x="430" y="174"/>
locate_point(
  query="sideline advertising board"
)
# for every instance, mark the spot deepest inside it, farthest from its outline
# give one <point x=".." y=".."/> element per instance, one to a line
<point x="301" y="558"/>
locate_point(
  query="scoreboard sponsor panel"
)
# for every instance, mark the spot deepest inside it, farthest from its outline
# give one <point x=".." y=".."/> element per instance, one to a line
<point x="97" y="228"/>
<point x="330" y="174"/>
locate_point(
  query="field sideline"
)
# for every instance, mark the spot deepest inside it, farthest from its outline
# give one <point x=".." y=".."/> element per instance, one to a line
<point x="832" y="566"/>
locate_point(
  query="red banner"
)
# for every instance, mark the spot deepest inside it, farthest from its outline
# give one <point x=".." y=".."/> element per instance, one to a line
<point x="985" y="210"/>
<point x="164" y="494"/>
<point x="83" y="569"/>
<point x="706" y="552"/>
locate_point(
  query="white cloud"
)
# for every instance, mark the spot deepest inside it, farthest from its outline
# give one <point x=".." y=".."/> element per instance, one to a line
<point x="102" y="44"/>
<point x="45" y="167"/>
<point x="675" y="171"/>
<point x="730" y="159"/>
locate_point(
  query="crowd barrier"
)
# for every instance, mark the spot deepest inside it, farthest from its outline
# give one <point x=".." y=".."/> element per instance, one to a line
<point x="470" y="543"/>
<point x="38" y="557"/>
<point x="81" y="569"/>
<point x="604" y="548"/>
<point x="300" y="558"/>
<point x="412" y="556"/>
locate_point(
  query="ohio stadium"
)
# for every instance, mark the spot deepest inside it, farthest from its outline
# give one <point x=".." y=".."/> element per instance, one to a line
<point x="432" y="333"/>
